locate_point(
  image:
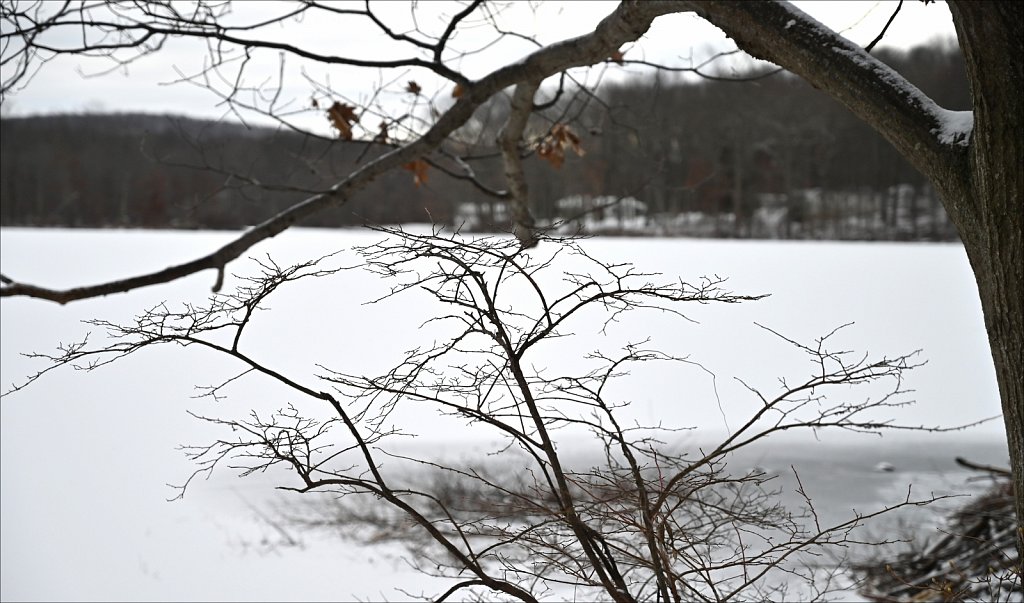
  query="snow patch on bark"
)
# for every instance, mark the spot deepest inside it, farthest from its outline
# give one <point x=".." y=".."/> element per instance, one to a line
<point x="951" y="127"/>
<point x="954" y="126"/>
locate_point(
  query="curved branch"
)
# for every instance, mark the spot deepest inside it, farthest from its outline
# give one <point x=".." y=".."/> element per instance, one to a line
<point x="881" y="34"/>
<point x="931" y="138"/>
<point x="443" y="40"/>
<point x="523" y="224"/>
<point x="627" y="23"/>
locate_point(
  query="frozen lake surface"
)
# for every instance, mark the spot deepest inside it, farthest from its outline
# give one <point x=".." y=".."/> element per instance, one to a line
<point x="86" y="456"/>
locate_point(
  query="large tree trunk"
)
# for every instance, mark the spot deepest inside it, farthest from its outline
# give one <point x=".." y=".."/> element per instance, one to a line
<point x="978" y="177"/>
<point x="990" y="216"/>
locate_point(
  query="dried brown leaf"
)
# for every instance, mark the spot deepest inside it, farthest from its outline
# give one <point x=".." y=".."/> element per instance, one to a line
<point x="419" y="171"/>
<point x="552" y="147"/>
<point x="382" y="136"/>
<point x="552" y="154"/>
<point x="342" y="116"/>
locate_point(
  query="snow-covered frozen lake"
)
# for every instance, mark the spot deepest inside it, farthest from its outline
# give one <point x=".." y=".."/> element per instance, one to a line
<point x="86" y="456"/>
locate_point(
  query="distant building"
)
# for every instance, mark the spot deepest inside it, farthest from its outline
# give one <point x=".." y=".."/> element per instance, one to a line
<point x="483" y="216"/>
<point x="602" y="214"/>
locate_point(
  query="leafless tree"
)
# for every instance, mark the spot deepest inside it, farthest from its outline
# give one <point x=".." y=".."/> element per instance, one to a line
<point x="640" y="519"/>
<point x="971" y="158"/>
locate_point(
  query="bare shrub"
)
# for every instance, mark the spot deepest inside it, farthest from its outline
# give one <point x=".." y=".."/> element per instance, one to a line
<point x="634" y="517"/>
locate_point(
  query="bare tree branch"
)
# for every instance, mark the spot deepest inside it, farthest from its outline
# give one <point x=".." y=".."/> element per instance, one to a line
<point x="639" y="520"/>
<point x="509" y="141"/>
<point x="905" y="116"/>
<point x="625" y="24"/>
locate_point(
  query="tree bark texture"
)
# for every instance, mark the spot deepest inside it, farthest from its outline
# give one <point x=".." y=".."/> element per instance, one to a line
<point x="978" y="177"/>
<point x="992" y="38"/>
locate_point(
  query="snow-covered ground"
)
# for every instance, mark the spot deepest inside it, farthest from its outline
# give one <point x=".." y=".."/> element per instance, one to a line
<point x="86" y="456"/>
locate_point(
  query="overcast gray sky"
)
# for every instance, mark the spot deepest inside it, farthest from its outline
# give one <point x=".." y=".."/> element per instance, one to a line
<point x="145" y="85"/>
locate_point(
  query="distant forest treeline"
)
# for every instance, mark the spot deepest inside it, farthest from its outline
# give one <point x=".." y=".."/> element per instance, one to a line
<point x="765" y="158"/>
